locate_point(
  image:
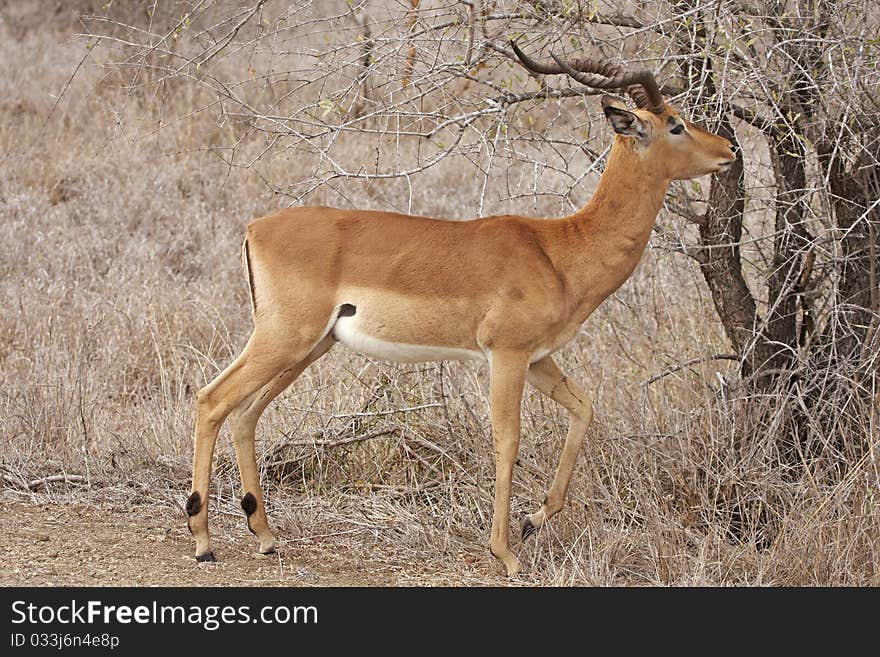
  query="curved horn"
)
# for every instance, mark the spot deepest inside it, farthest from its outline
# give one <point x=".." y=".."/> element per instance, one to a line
<point x="645" y="91"/>
<point x="532" y="65"/>
<point x="603" y="68"/>
<point x="587" y="77"/>
<point x="640" y="85"/>
<point x="639" y="96"/>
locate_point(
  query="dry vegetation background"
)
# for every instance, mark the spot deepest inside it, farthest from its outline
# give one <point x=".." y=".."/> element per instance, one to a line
<point x="128" y="169"/>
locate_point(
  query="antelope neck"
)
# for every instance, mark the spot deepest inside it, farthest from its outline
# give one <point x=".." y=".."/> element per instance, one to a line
<point x="629" y="196"/>
<point x="611" y="231"/>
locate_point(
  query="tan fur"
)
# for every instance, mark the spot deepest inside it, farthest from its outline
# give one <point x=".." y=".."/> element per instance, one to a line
<point x="512" y="289"/>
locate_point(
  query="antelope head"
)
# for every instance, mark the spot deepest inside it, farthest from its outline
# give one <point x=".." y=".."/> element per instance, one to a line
<point x="654" y="130"/>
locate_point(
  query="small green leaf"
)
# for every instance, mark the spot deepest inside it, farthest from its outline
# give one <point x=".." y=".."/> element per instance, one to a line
<point x="328" y="106"/>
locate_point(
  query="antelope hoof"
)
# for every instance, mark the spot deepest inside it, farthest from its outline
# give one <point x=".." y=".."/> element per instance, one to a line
<point x="513" y="566"/>
<point x="511" y="563"/>
<point x="267" y="544"/>
<point x="208" y="557"/>
<point x="527" y="526"/>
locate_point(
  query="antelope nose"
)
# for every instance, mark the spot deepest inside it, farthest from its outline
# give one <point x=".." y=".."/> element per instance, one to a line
<point x="733" y="151"/>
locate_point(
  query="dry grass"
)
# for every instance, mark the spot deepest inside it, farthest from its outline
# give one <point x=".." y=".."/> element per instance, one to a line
<point x="122" y="295"/>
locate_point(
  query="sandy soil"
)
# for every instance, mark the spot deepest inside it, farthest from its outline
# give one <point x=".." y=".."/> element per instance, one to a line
<point x="81" y="545"/>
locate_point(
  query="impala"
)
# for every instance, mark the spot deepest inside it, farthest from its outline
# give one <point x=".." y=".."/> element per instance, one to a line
<point x="506" y="290"/>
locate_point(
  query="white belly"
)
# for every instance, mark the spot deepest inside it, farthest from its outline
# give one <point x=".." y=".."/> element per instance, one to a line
<point x="346" y="331"/>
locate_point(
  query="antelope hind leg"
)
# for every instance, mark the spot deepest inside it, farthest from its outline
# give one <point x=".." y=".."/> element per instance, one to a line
<point x="243" y="421"/>
<point x="546" y="376"/>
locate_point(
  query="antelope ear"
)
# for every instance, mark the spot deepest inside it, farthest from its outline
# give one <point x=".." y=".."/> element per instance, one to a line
<point x="622" y="121"/>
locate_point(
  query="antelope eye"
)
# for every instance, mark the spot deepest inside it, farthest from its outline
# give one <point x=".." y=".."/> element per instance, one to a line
<point x="677" y="130"/>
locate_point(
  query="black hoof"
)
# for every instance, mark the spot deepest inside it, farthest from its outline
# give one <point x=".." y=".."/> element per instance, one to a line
<point x="528" y="528"/>
<point x="207" y="557"/>
<point x="270" y="551"/>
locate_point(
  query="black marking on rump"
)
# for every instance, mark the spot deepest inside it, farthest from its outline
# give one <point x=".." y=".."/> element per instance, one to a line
<point x="193" y="504"/>
<point x="249" y="504"/>
<point x="346" y="310"/>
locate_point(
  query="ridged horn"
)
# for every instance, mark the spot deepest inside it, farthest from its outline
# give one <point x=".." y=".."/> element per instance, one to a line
<point x="601" y="74"/>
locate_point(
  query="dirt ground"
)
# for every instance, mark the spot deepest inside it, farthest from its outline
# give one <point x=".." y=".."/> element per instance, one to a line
<point x="82" y="545"/>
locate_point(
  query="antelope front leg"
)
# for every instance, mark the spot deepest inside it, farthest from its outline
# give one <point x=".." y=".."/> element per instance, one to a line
<point x="506" y="381"/>
<point x="546" y="376"/>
